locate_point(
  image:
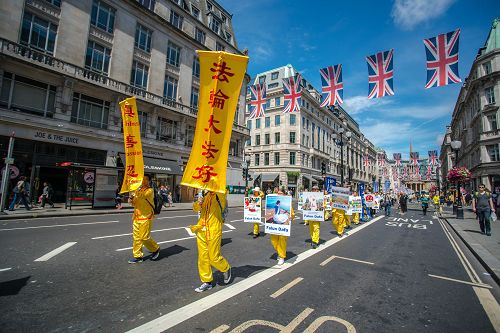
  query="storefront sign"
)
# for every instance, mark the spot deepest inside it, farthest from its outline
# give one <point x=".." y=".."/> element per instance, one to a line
<point x="14" y="172"/>
<point x="89" y="177"/>
<point x="56" y="138"/>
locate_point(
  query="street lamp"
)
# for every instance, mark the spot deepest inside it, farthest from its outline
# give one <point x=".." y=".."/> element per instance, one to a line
<point x="455" y="145"/>
<point x="340" y="142"/>
<point x="246" y="176"/>
<point x="348" y="135"/>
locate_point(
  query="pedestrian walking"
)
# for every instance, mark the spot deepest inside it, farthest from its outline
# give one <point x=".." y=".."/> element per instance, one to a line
<point x="424" y="200"/>
<point x="47" y="194"/>
<point x="118" y="198"/>
<point x="279" y="242"/>
<point x="20" y="191"/>
<point x="403" y="202"/>
<point x="482" y="205"/>
<point x="387" y="205"/>
<point x="212" y="208"/>
<point x="143" y="202"/>
<point x="169" y="199"/>
<point x="164" y="194"/>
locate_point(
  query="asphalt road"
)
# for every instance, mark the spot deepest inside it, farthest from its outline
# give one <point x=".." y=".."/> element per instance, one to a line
<point x="397" y="274"/>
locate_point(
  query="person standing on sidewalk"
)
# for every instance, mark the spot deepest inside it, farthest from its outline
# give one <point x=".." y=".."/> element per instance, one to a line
<point x="47" y="194"/>
<point x="20" y="191"/>
<point x="143" y="202"/>
<point x="482" y="205"/>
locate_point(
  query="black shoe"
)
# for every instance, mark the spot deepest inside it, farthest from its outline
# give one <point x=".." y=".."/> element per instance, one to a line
<point x="314" y="245"/>
<point x="488" y="233"/>
<point x="255" y="235"/>
<point x="155" y="255"/>
<point x="135" y="260"/>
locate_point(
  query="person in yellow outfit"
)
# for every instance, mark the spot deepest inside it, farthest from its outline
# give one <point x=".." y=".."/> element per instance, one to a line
<point x="256" y="226"/>
<point x="143" y="201"/>
<point x="314" y="226"/>
<point x="338" y="221"/>
<point x="208" y="232"/>
<point x="279" y="242"/>
<point x="435" y="200"/>
<point x="355" y="216"/>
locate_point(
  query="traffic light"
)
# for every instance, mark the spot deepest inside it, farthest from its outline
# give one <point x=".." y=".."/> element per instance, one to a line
<point x="323" y="168"/>
<point x="245" y="173"/>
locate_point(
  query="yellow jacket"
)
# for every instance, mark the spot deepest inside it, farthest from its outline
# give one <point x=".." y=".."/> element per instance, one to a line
<point x="143" y="203"/>
<point x="211" y="214"/>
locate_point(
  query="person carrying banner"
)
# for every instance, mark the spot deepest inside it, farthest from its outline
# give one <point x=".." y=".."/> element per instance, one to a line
<point x="257" y="193"/>
<point x="208" y="238"/>
<point x="338" y="221"/>
<point x="314" y="226"/>
<point x="143" y="203"/>
<point x="279" y="242"/>
<point x="355" y="216"/>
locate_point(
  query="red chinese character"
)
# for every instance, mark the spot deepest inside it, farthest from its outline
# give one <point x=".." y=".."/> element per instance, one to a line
<point x="221" y="70"/>
<point x="208" y="146"/>
<point x="131" y="171"/>
<point x="211" y="123"/>
<point x="128" y="110"/>
<point x="129" y="142"/>
<point x="217" y="99"/>
<point x="205" y="171"/>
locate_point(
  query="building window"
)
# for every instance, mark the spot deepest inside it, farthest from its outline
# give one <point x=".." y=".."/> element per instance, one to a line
<point x="267" y="138"/>
<point x="97" y="58"/>
<point x="292" y="119"/>
<point x="89" y="111"/>
<point x="292" y="158"/>
<point x="487" y="67"/>
<point x="173" y="54"/>
<point x="266" y="158"/>
<point x="257" y="123"/>
<point x="195" y="12"/>
<point x="199" y="35"/>
<point x="277" y="101"/>
<point x="139" y="76"/>
<point x="229" y="38"/>
<point x="195" y="95"/>
<point x="38" y="33"/>
<point x="257" y="140"/>
<point x="196" y="67"/>
<point x="102" y="16"/>
<point x="143" y="38"/>
<point x="262" y="79"/>
<point x="292" y="137"/>
<point x="274" y="75"/>
<point x="214" y="24"/>
<point x="493" y="153"/>
<point x="176" y="20"/>
<point x="143" y="120"/>
<point x="26" y="95"/>
<point x="219" y="47"/>
<point x="276" y="158"/>
<point x="272" y="85"/>
<point x="56" y="3"/>
<point x="492" y="121"/>
<point x="167" y="130"/>
<point x="277" y="120"/>
<point x="249" y="124"/>
<point x="267" y="122"/>
<point x="303" y="122"/>
<point x="277" y="138"/>
<point x="257" y="159"/>
<point x="170" y="88"/>
<point x="490" y="95"/>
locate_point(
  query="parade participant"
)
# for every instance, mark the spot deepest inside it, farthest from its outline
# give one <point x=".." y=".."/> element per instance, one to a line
<point x="435" y="200"/>
<point x="143" y="203"/>
<point x="355" y="216"/>
<point x="256" y="226"/>
<point x="338" y="221"/>
<point x="208" y="237"/>
<point x="482" y="204"/>
<point x="279" y="242"/>
<point x="314" y="225"/>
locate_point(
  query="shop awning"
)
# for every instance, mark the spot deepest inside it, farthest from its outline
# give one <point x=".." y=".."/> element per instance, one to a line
<point x="318" y="178"/>
<point x="269" y="177"/>
<point x="161" y="166"/>
<point x="308" y="178"/>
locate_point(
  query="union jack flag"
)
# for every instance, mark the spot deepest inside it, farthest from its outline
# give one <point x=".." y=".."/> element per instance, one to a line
<point x="429" y="170"/>
<point x="442" y="59"/>
<point x="257" y="101"/>
<point x="332" y="87"/>
<point x="405" y="172"/>
<point x="417" y="171"/>
<point x="397" y="158"/>
<point x="380" y="74"/>
<point x="381" y="161"/>
<point x="366" y="161"/>
<point x="433" y="157"/>
<point x="414" y="158"/>
<point x="292" y="92"/>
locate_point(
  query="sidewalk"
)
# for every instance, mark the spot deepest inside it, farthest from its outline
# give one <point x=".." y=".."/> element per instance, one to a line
<point x="485" y="248"/>
<point x="59" y="211"/>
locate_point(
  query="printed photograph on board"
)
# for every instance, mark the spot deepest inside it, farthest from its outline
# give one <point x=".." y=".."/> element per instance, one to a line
<point x="312" y="205"/>
<point x="252" y="209"/>
<point x="278" y="217"/>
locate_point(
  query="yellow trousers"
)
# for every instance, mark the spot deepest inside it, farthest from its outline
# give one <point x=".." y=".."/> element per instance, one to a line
<point x="209" y="255"/>
<point x="141" y="233"/>
<point x="256" y="229"/>
<point x="314" y="231"/>
<point x="338" y="221"/>
<point x="279" y="244"/>
<point x="347" y="220"/>
<point x="355" y="218"/>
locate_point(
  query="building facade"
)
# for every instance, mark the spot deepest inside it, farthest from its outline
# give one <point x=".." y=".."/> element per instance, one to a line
<point x="66" y="65"/>
<point x="289" y="149"/>
<point x="475" y="119"/>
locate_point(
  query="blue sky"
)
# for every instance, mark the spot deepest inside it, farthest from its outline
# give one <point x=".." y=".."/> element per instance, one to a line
<point x="314" y="34"/>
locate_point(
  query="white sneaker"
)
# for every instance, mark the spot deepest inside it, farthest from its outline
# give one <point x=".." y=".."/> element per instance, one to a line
<point x="281" y="261"/>
<point x="204" y="287"/>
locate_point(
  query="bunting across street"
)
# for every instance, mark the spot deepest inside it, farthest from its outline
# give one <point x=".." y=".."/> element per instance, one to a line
<point x="433" y="157"/>
<point x="380" y="74"/>
<point x="332" y="87"/>
<point x="381" y="160"/>
<point x="414" y="158"/>
<point x="292" y="92"/>
<point x="258" y="101"/>
<point x="397" y="159"/>
<point x="366" y="161"/>
<point x="442" y="59"/>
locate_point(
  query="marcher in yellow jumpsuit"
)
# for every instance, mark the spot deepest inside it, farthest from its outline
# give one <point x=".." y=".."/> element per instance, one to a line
<point x="279" y="242"/>
<point x="256" y="226"/>
<point x="338" y="221"/>
<point x="209" y="236"/>
<point x="355" y="216"/>
<point x="435" y="200"/>
<point x="143" y="201"/>
<point x="314" y="228"/>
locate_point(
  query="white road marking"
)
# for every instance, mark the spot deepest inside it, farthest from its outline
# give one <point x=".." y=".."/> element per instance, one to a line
<point x="190" y="233"/>
<point x="480" y="285"/>
<point x="55" y="252"/>
<point x="350" y="259"/>
<point x="5" y="269"/>
<point x="121" y="235"/>
<point x="188" y="311"/>
<point x="229" y="226"/>
<point x="286" y="287"/>
<point x="58" y="225"/>
<point x="169" y="241"/>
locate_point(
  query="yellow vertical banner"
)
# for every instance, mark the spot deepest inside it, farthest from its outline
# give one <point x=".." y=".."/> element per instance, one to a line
<point x="134" y="162"/>
<point x="221" y="77"/>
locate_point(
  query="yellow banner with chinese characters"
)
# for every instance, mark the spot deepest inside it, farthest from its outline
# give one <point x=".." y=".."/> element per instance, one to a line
<point x="221" y="77"/>
<point x="134" y="162"/>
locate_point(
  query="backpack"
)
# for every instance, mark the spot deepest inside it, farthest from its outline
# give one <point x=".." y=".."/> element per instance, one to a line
<point x="157" y="200"/>
<point x="223" y="212"/>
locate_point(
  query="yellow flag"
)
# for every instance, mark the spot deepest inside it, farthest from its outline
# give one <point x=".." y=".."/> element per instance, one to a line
<point x="221" y="77"/>
<point x="134" y="164"/>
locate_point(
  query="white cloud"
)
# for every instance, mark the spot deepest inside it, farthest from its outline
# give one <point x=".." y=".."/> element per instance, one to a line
<point x="358" y="104"/>
<point x="409" y="13"/>
<point x="386" y="134"/>
<point x="422" y="111"/>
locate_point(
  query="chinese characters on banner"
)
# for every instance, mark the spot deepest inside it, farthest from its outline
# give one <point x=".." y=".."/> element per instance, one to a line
<point x="221" y="77"/>
<point x="134" y="162"/>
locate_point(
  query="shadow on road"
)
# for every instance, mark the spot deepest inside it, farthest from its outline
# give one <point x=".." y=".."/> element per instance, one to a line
<point x="246" y="270"/>
<point x="12" y="287"/>
<point x="226" y="241"/>
<point x="172" y="251"/>
<point x="474" y="231"/>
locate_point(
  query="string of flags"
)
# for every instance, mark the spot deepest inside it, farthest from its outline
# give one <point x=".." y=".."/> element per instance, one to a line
<point x="441" y="65"/>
